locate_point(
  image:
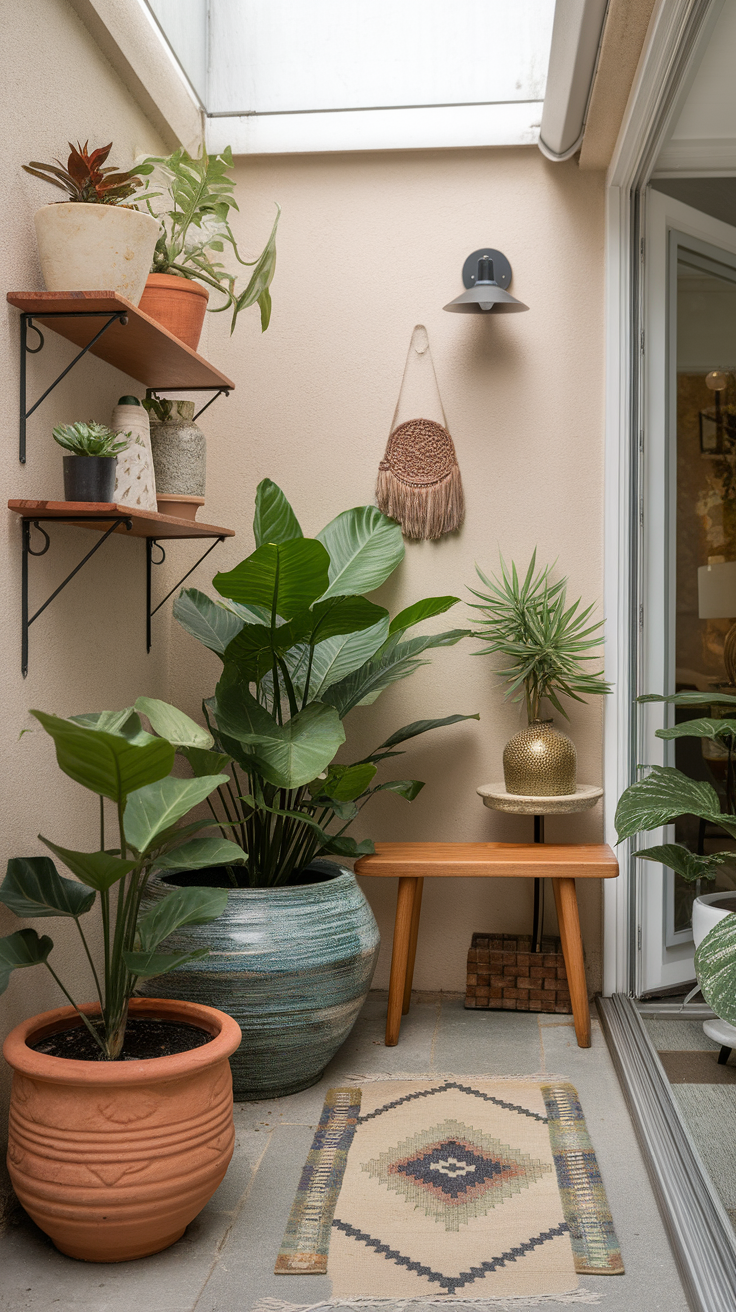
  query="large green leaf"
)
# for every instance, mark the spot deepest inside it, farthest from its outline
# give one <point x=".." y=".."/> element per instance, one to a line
<point x="23" y="948"/>
<point x="153" y="809"/>
<point x="406" y="788"/>
<point x="701" y="728"/>
<point x="107" y="763"/>
<point x="421" y="610"/>
<point x="662" y="796"/>
<point x="210" y="623"/>
<point x="395" y="660"/>
<point x="145" y="965"/>
<point x="715" y="967"/>
<point x="337" y="657"/>
<point x="274" y="520"/>
<point x="184" y="906"/>
<point x="423" y="726"/>
<point x="287" y="577"/>
<point x="125" y="722"/>
<point x="688" y="864"/>
<point x="288" y="755"/>
<point x="33" y="887"/>
<point x="344" y="782"/>
<point x="202" y="852"/>
<point x="97" y="870"/>
<point x="690" y="698"/>
<point x="203" y="763"/>
<point x="173" y="724"/>
<point x="364" y="548"/>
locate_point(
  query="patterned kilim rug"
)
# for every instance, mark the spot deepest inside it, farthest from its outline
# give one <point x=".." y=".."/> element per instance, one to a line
<point x="466" y="1189"/>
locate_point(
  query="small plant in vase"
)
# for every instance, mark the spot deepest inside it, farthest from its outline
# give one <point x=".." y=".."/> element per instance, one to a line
<point x="94" y="239"/>
<point x="90" y="466"/>
<point x="548" y="644"/>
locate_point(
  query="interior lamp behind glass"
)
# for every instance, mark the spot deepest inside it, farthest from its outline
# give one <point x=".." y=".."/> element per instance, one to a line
<point x="717" y="601"/>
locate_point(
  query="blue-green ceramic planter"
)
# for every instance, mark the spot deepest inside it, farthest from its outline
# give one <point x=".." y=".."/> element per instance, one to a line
<point x="291" y="965"/>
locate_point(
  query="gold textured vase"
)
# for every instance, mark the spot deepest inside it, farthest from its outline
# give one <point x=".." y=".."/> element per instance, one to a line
<point x="540" y="762"/>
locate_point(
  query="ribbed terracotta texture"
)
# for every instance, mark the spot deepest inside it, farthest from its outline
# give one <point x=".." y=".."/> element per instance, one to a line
<point x="292" y="965"/>
<point x="114" y="1159"/>
<point x="540" y="762"/>
<point x="176" y="303"/>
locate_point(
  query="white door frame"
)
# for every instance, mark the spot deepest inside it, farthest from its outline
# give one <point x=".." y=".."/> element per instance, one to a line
<point x="677" y="32"/>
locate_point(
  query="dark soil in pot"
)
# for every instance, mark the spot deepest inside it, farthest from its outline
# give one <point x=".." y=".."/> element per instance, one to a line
<point x="218" y="877"/>
<point x="143" y="1039"/>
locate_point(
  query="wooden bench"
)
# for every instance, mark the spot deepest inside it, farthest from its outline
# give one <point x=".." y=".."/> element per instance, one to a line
<point x="412" y="863"/>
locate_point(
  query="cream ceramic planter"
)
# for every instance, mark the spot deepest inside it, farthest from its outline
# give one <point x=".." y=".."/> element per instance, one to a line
<point x="95" y="248"/>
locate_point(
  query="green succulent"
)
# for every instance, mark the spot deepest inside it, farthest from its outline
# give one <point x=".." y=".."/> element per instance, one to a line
<point x="90" y="439"/>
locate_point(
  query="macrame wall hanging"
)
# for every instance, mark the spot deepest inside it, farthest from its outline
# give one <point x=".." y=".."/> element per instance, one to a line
<point x="419" y="480"/>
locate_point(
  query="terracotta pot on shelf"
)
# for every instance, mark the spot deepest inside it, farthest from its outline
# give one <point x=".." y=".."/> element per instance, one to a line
<point x="178" y="304"/>
<point x="180" y="507"/>
<point x="114" y="1159"/>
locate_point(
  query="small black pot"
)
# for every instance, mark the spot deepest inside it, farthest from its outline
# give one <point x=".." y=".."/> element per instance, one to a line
<point x="89" y="478"/>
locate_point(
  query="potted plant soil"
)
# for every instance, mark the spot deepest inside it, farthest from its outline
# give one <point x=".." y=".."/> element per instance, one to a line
<point x="121" y="1120"/>
<point x="301" y="648"/>
<point x="93" y="241"/>
<point x="548" y="644"/>
<point x="90" y="467"/>
<point x="193" y="214"/>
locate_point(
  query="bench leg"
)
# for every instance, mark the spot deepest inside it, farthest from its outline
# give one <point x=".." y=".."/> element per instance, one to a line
<point x="413" y="936"/>
<point x="572" y="948"/>
<point x="400" y="957"/>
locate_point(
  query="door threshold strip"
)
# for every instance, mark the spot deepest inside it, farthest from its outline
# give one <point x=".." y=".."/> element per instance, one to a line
<point x="701" y="1236"/>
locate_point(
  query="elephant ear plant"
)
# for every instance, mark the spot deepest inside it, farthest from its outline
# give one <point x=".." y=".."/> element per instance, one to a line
<point x="301" y="648"/>
<point x="664" y="795"/>
<point x="112" y="755"/>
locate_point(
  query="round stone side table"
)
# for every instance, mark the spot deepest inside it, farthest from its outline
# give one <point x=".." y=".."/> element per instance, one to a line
<point x="497" y="799"/>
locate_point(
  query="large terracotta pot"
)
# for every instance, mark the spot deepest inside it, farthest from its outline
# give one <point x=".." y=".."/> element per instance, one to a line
<point x="292" y="964"/>
<point x="95" y="248"/>
<point x="178" y="304"/>
<point x="114" y="1159"/>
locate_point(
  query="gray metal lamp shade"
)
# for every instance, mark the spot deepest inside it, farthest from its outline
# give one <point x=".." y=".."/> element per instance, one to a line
<point x="485" y="294"/>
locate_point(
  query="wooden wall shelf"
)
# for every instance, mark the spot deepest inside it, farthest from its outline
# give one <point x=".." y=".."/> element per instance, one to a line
<point x="105" y="518"/>
<point x="112" y="328"/>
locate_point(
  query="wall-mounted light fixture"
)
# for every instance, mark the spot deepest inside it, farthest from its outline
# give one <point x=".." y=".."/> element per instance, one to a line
<point x="486" y="274"/>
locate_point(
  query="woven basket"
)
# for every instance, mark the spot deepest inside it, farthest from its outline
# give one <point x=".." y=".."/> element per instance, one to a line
<point x="505" y="975"/>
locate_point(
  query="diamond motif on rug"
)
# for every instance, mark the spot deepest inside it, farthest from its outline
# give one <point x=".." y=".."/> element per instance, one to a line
<point x="454" y="1172"/>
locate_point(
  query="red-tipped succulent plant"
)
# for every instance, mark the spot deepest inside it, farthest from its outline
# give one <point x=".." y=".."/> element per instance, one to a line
<point x="84" y="179"/>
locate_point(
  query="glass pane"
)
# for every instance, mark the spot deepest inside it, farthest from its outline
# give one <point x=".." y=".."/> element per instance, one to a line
<point x="705" y="533"/>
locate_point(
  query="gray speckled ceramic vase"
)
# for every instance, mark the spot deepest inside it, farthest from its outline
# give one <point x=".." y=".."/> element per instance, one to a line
<point x="293" y="965"/>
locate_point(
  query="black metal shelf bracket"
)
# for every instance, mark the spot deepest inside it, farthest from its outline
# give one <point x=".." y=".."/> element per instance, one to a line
<point x="219" y="391"/>
<point x="26" y="323"/>
<point x="27" y="621"/>
<point x="150" y="562"/>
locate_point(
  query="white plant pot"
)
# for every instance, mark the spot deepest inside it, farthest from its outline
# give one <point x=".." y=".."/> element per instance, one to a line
<point x="705" y="916"/>
<point x="95" y="248"/>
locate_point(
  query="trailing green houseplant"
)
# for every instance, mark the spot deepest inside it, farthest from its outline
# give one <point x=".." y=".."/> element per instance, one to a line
<point x="111" y="755"/>
<point x="548" y="645"/>
<point x="194" y="218"/>
<point x="301" y="648"/>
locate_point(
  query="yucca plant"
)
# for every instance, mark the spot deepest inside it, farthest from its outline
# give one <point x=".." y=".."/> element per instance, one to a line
<point x="196" y="224"/>
<point x="547" y="642"/>
<point x="85" y="180"/>
<point x="90" y="439"/>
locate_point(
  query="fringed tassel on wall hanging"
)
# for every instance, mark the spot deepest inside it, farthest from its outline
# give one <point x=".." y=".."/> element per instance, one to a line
<point x="419" y="481"/>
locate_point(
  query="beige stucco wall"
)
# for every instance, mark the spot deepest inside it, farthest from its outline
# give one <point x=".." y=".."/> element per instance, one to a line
<point x="370" y="245"/>
<point x="88" y="650"/>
